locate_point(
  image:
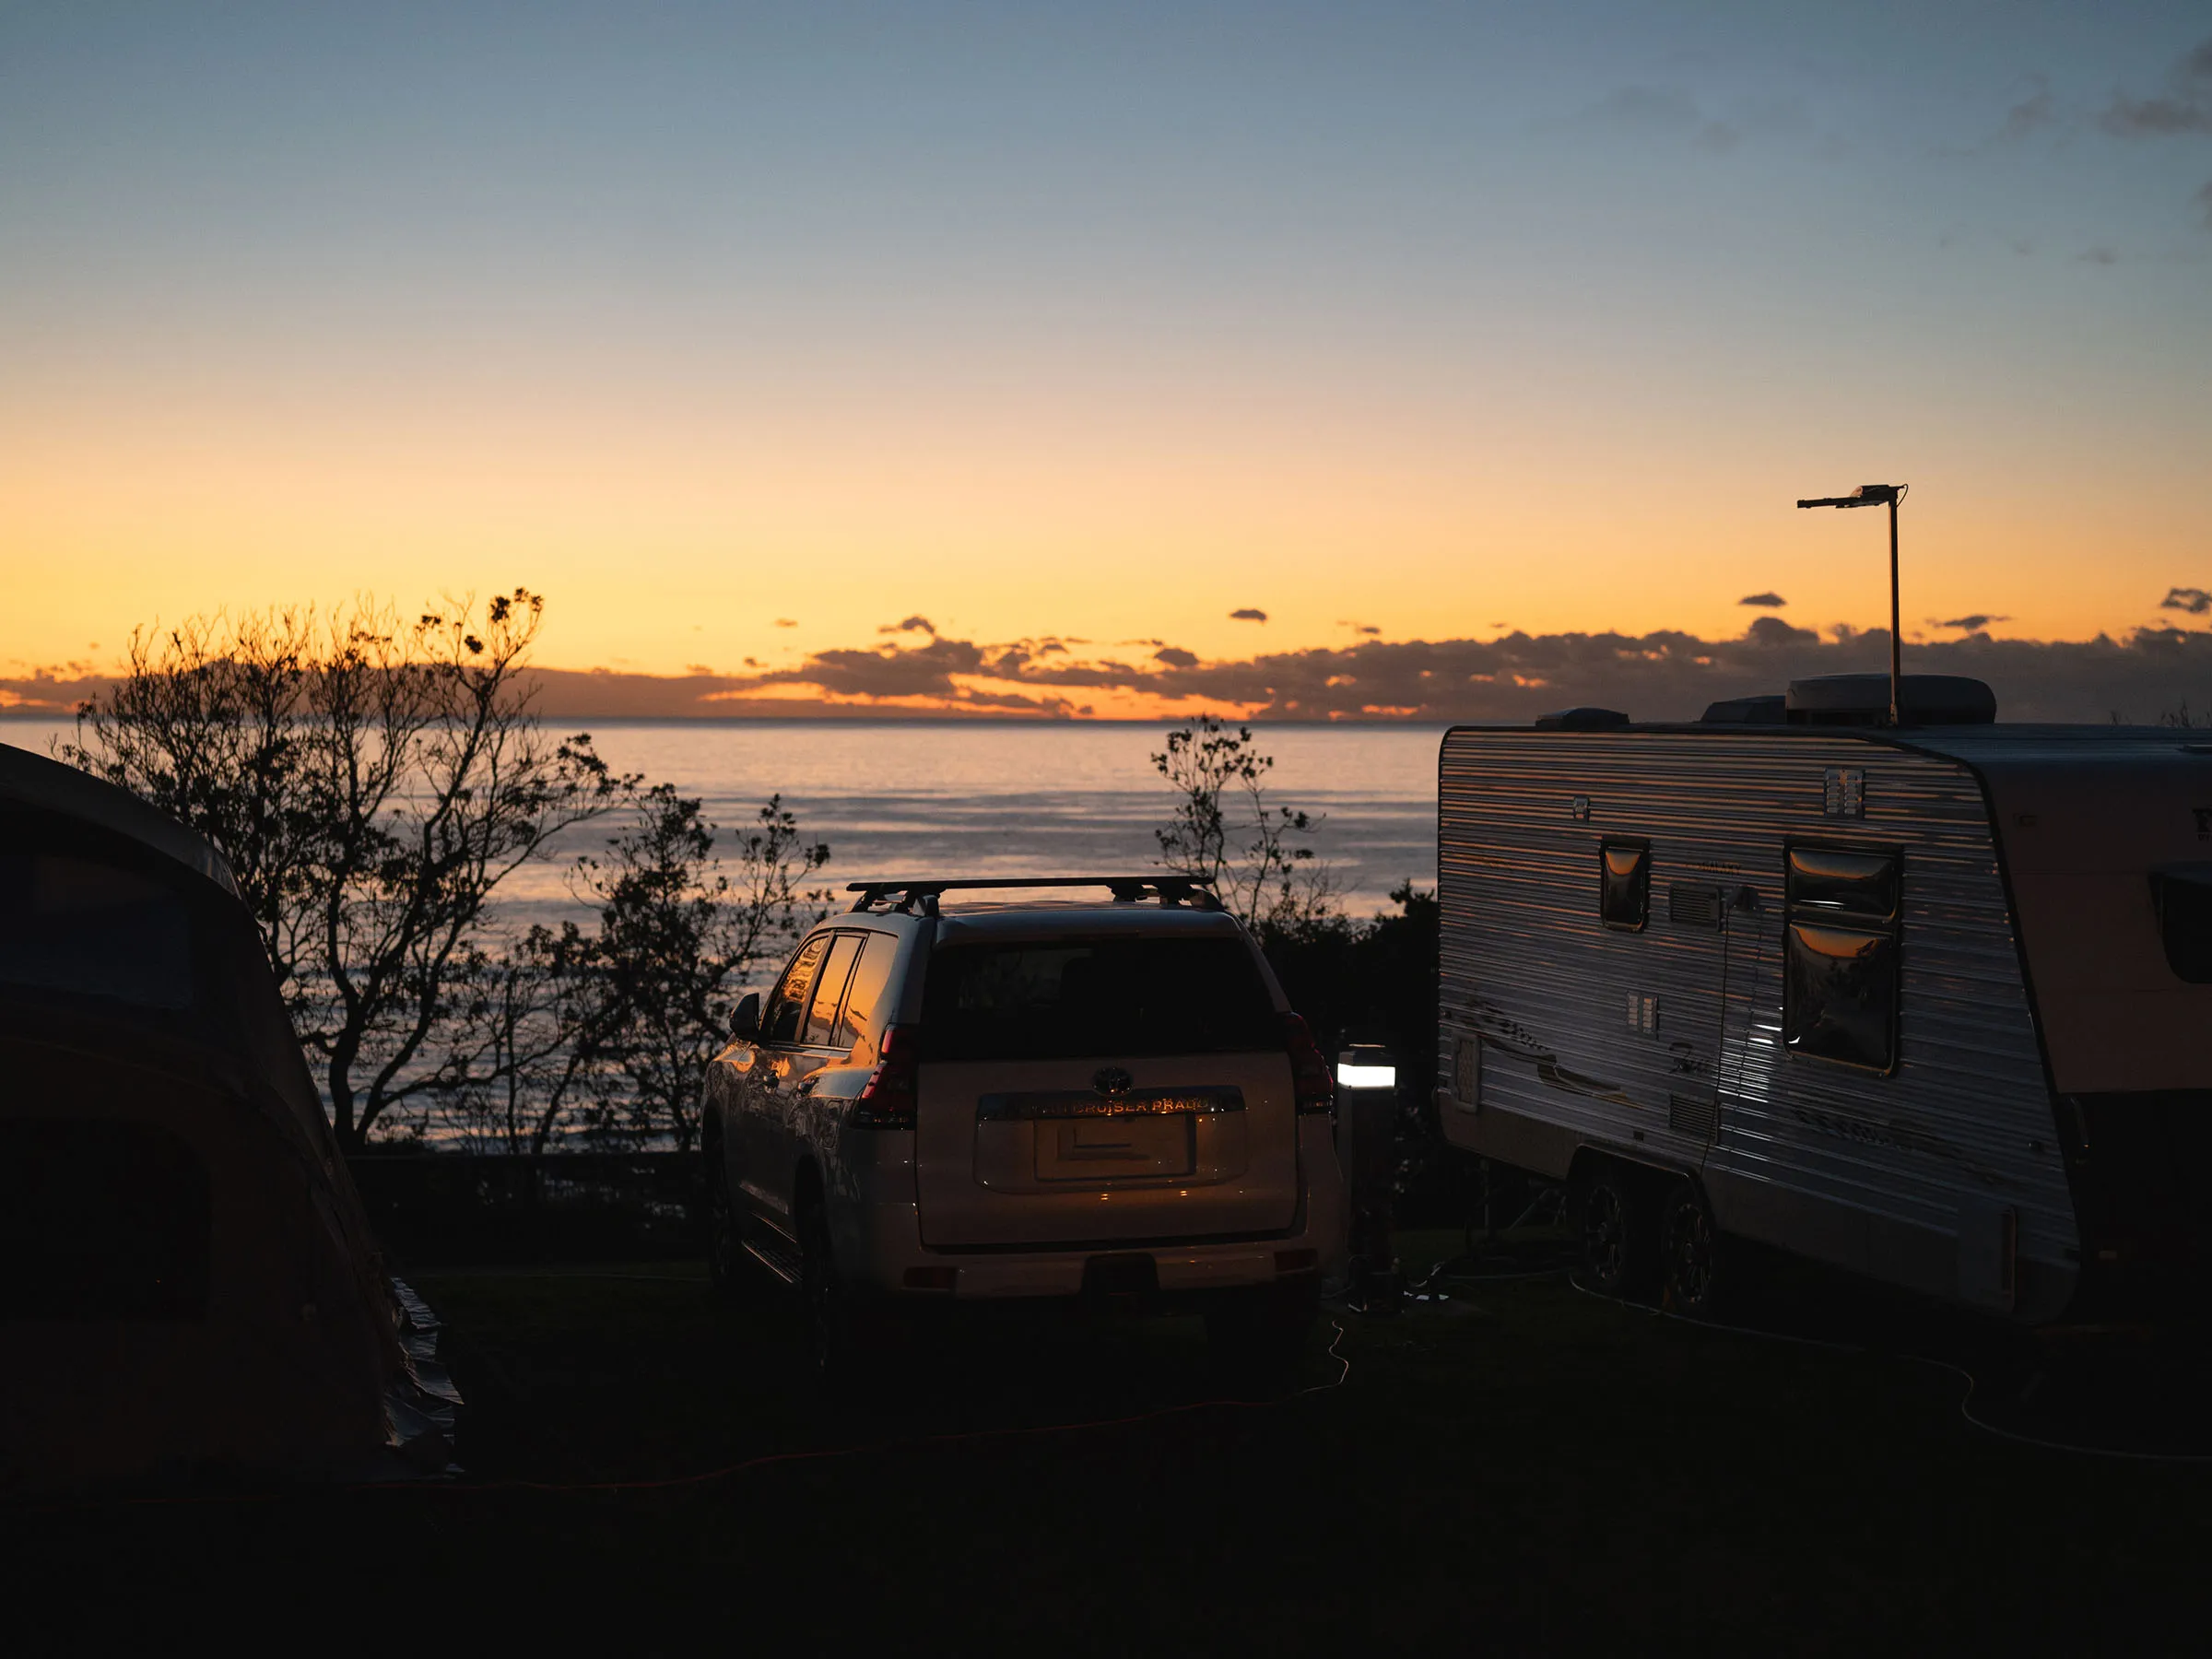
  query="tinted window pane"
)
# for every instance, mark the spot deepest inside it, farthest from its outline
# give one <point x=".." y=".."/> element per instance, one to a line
<point x="1103" y="998"/>
<point x="1857" y="884"/>
<point x="1840" y="995"/>
<point x="1625" y="884"/>
<point x="829" y="989"/>
<point x="2184" y="904"/>
<point x="864" y="1011"/>
<point x="787" y="1008"/>
<point x="89" y="929"/>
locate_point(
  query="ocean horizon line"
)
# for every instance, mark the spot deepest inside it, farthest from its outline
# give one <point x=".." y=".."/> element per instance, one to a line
<point x="881" y="717"/>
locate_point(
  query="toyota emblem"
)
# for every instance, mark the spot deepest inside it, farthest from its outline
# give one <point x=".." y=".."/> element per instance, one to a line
<point x="1112" y="1081"/>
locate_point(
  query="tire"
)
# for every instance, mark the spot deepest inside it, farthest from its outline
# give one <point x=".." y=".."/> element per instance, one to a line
<point x="730" y="1270"/>
<point x="837" y="1335"/>
<point x="1696" y="1265"/>
<point x="1614" y="1223"/>
<point x="1256" y="1337"/>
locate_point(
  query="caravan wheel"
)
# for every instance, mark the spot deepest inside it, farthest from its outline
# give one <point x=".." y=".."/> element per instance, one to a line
<point x="1691" y="1245"/>
<point x="1615" y="1223"/>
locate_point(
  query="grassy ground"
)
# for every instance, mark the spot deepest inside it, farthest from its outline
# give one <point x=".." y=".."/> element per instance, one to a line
<point x="1522" y="1468"/>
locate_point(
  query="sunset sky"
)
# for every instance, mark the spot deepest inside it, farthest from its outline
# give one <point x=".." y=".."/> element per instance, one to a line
<point x="743" y="334"/>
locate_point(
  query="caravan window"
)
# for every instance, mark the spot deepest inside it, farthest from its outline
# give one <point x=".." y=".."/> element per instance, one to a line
<point x="1844" y="883"/>
<point x="1841" y="944"/>
<point x="1624" y="893"/>
<point x="2183" y="901"/>
<point x="1841" y="995"/>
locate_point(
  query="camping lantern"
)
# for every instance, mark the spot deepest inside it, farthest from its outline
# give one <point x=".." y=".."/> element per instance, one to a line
<point x="1367" y="1113"/>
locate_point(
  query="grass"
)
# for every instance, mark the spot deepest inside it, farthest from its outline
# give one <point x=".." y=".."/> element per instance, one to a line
<point x="1522" y="1468"/>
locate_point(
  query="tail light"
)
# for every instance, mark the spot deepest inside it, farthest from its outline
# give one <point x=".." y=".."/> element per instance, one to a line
<point x="1310" y="1084"/>
<point x="886" y="1099"/>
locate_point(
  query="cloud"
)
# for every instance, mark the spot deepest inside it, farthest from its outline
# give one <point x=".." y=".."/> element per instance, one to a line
<point x="786" y="622"/>
<point x="1369" y="628"/>
<point x="2182" y="111"/>
<point x="2156" y="117"/>
<point x="2185" y="106"/>
<point x="1661" y="675"/>
<point x="1770" y="632"/>
<point x="1248" y="615"/>
<point x="909" y="625"/>
<point x="2031" y="115"/>
<point x="1665" y="674"/>
<point x="1651" y="114"/>
<point x="50" y="689"/>
<point x="1973" y="624"/>
<point x="1771" y="600"/>
<point x="1662" y="112"/>
<point x="2101" y="256"/>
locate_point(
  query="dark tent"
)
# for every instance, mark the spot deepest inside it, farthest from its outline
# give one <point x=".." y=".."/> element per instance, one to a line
<point x="188" y="1287"/>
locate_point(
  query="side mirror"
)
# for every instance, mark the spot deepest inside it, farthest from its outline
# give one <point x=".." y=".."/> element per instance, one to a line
<point x="744" y="1024"/>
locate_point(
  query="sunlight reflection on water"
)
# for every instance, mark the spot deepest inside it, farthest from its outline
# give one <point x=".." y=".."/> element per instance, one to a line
<point x="914" y="798"/>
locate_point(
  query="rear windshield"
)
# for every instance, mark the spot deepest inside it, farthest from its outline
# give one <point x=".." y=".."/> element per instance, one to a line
<point x="1068" y="999"/>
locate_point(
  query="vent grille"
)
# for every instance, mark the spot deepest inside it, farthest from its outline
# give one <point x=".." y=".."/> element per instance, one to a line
<point x="1696" y="1119"/>
<point x="1693" y="904"/>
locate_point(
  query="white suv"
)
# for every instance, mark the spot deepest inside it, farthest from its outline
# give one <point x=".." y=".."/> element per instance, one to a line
<point x="952" y="1101"/>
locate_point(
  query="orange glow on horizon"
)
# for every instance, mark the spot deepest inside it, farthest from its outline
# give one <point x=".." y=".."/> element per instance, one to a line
<point x="659" y="556"/>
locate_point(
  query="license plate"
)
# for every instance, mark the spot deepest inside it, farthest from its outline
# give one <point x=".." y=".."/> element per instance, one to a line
<point x="1112" y="1148"/>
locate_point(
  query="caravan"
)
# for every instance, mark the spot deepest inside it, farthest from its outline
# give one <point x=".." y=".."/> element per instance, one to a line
<point x="1930" y="1002"/>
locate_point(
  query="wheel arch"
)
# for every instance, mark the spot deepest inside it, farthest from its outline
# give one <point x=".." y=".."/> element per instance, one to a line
<point x="810" y="1191"/>
<point x="1654" y="1174"/>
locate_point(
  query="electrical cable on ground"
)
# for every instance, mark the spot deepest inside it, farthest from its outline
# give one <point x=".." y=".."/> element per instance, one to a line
<point x="1965" y="1400"/>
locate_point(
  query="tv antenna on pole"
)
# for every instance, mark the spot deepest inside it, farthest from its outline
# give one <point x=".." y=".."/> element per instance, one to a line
<point x="1876" y="495"/>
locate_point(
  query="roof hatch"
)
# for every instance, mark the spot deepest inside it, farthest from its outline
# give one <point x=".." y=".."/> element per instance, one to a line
<point x="1863" y="700"/>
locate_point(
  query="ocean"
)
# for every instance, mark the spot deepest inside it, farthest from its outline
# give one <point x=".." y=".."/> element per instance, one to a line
<point x="919" y="798"/>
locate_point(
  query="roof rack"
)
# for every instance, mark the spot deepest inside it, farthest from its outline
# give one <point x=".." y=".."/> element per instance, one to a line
<point x="1194" y="890"/>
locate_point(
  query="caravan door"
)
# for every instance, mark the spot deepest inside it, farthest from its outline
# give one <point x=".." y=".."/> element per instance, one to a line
<point x="1750" y="933"/>
<point x="1704" y="1036"/>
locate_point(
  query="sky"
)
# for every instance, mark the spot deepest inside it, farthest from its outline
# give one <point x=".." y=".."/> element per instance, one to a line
<point x="746" y="335"/>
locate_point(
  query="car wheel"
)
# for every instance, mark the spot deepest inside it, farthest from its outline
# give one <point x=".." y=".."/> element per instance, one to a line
<point x="1255" y="1337"/>
<point x="831" y="1328"/>
<point x="1617" y="1248"/>
<point x="729" y="1269"/>
<point x="1691" y="1247"/>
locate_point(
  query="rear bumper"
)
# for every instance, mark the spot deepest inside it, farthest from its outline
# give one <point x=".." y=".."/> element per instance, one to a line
<point x="1182" y="1269"/>
<point x="877" y="1234"/>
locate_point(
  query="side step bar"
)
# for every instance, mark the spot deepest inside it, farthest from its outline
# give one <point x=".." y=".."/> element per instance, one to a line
<point x="775" y="1253"/>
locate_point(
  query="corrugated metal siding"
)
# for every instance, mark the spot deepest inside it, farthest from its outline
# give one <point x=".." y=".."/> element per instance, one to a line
<point x="1527" y="964"/>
